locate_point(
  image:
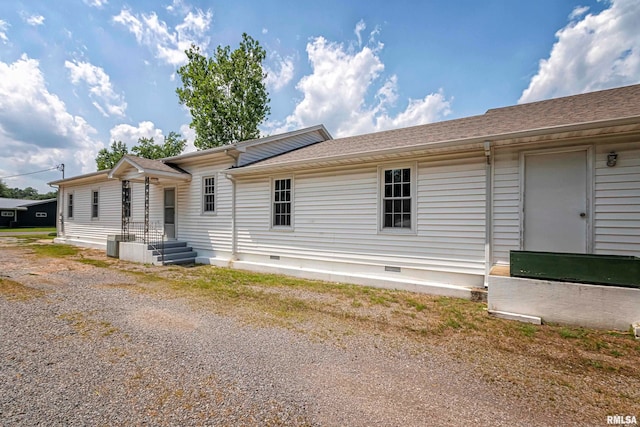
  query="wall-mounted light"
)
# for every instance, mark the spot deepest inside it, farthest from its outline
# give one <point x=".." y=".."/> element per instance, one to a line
<point x="612" y="159"/>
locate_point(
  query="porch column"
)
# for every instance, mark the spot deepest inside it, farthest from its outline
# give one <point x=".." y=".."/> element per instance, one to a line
<point x="146" y="209"/>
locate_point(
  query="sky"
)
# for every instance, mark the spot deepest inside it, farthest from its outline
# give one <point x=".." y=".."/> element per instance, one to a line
<point x="76" y="75"/>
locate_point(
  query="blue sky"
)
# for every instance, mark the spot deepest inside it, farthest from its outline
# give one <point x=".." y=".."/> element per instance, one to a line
<point x="78" y="74"/>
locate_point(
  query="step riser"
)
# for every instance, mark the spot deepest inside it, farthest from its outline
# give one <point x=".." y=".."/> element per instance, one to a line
<point x="172" y="252"/>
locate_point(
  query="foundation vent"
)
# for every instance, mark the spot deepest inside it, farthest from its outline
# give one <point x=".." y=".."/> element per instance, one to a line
<point x="392" y="269"/>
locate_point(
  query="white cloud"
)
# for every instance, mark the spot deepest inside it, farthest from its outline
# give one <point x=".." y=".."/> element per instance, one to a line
<point x="100" y="87"/>
<point x="265" y="30"/>
<point x="360" y="27"/>
<point x="36" y="130"/>
<point x="190" y="135"/>
<point x="282" y="75"/>
<point x="34" y="20"/>
<point x="578" y="12"/>
<point x="130" y="134"/>
<point x="599" y="51"/>
<point x="336" y="92"/>
<point x="4" y="26"/>
<point x="96" y="3"/>
<point x="168" y="45"/>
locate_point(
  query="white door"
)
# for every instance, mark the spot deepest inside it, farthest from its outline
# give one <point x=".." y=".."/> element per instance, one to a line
<point x="555" y="202"/>
<point x="170" y="213"/>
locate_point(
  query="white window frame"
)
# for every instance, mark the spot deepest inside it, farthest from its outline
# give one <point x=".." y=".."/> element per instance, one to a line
<point x="71" y="203"/>
<point x="41" y="214"/>
<point x="8" y="214"/>
<point x="413" y="174"/>
<point x="204" y="195"/>
<point x="96" y="204"/>
<point x="272" y="203"/>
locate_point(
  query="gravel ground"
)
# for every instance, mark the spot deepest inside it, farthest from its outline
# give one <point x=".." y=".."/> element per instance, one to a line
<point x="85" y="348"/>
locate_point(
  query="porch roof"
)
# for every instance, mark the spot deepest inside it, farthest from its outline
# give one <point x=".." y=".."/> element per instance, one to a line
<point x="133" y="168"/>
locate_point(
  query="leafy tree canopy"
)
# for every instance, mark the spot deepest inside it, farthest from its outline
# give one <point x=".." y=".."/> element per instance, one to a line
<point x="172" y="146"/>
<point x="107" y="159"/>
<point x="28" y="193"/>
<point x="226" y="94"/>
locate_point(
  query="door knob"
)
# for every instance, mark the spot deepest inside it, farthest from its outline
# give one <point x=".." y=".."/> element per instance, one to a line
<point x="583" y="214"/>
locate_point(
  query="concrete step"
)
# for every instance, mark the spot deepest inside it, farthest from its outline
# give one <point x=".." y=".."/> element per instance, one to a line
<point x="168" y="244"/>
<point x="172" y="250"/>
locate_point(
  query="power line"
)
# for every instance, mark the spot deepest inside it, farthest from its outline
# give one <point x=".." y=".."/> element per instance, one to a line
<point x="58" y="167"/>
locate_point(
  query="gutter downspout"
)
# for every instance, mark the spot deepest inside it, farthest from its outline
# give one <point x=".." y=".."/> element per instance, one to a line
<point x="488" y="151"/>
<point x="234" y="228"/>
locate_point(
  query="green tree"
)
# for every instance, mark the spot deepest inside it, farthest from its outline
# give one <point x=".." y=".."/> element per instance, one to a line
<point x="107" y="159"/>
<point x="4" y="190"/>
<point x="226" y="94"/>
<point x="173" y="146"/>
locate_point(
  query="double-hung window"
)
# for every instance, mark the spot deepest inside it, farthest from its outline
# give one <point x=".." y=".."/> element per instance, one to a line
<point x="70" y="205"/>
<point x="208" y="194"/>
<point x="398" y="204"/>
<point x="281" y="215"/>
<point x="95" y="197"/>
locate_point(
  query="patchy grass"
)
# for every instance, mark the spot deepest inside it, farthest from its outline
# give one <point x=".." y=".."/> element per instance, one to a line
<point x="88" y="327"/>
<point x="591" y="372"/>
<point x="16" y="291"/>
<point x="43" y="230"/>
<point x="55" y="250"/>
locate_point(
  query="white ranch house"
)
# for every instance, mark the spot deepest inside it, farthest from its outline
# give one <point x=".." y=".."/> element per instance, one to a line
<point x="432" y="208"/>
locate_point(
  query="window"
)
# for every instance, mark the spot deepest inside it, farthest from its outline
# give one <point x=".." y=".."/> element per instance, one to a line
<point x="209" y="194"/>
<point x="7" y="213"/>
<point x="397" y="199"/>
<point x="282" y="202"/>
<point x="94" y="204"/>
<point x="41" y="214"/>
<point x="70" y="206"/>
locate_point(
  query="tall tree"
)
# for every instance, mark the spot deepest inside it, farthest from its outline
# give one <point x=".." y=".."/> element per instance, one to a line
<point x="226" y="94"/>
<point x="107" y="159"/>
<point x="173" y="146"/>
<point x="4" y="190"/>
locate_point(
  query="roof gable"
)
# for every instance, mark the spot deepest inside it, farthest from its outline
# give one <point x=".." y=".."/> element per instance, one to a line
<point x="136" y="168"/>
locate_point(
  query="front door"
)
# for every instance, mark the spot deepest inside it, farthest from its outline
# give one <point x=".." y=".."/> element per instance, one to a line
<point x="555" y="202"/>
<point x="170" y="213"/>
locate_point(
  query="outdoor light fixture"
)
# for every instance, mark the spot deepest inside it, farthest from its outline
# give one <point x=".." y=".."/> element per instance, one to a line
<point x="612" y="159"/>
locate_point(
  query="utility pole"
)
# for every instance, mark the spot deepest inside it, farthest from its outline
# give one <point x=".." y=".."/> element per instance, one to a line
<point x="61" y="169"/>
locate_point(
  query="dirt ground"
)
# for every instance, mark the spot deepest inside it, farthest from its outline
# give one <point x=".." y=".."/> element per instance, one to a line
<point x="88" y="340"/>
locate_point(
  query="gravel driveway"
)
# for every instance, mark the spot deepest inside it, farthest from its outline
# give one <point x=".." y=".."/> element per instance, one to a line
<point x="83" y="347"/>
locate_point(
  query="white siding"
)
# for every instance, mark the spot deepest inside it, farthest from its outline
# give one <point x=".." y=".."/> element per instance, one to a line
<point x="616" y="193"/>
<point x="82" y="226"/>
<point x="617" y="201"/>
<point x="207" y="233"/>
<point x="336" y="217"/>
<point x="506" y="204"/>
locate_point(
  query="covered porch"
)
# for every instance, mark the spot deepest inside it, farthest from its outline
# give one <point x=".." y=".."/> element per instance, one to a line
<point x="146" y="240"/>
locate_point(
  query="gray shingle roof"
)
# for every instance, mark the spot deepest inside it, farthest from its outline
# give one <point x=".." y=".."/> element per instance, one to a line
<point x="578" y="109"/>
<point x="20" y="204"/>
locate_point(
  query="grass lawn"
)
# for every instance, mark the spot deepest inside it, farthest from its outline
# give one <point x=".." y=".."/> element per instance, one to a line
<point x="43" y="230"/>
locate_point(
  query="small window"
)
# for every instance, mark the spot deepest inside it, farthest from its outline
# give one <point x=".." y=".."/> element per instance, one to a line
<point x="95" y="197"/>
<point x="70" y="206"/>
<point x="397" y="199"/>
<point x="41" y="214"/>
<point x="282" y="202"/>
<point x="7" y="213"/>
<point x="209" y="194"/>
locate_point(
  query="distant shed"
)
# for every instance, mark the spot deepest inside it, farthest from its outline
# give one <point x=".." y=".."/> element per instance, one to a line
<point x="27" y="213"/>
